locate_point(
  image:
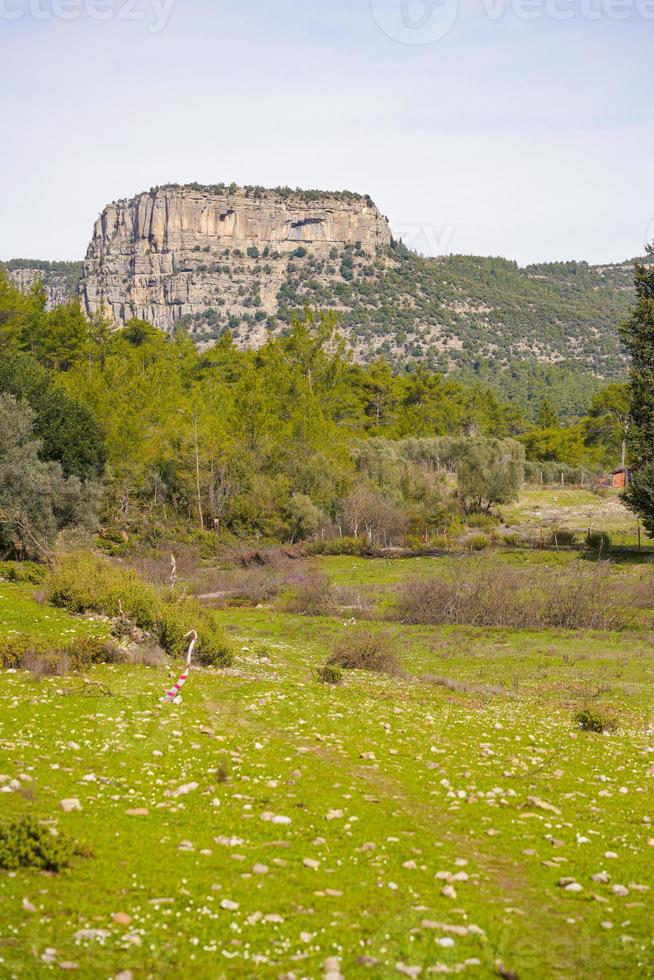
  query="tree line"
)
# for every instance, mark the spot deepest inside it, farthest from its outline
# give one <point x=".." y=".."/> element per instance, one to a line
<point x="141" y="431"/>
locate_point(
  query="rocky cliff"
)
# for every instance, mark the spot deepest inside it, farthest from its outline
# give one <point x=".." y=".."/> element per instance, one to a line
<point x="60" y="280"/>
<point x="214" y="256"/>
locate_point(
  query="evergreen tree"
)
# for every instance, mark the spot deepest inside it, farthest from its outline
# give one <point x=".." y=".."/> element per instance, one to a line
<point x="548" y="417"/>
<point x="638" y="336"/>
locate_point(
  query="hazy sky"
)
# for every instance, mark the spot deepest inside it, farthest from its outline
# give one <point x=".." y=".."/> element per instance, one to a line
<point x="508" y="127"/>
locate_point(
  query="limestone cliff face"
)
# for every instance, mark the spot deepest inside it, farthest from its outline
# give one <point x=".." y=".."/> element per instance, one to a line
<point x="211" y="254"/>
<point x="57" y="286"/>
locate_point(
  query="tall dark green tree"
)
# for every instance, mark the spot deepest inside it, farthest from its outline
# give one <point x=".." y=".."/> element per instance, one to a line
<point x="638" y="336"/>
<point x="68" y="432"/>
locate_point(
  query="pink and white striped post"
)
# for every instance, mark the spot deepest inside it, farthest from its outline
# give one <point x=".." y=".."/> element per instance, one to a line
<point x="174" y="695"/>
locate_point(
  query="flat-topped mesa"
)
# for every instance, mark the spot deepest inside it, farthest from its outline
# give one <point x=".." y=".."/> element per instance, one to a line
<point x="189" y="251"/>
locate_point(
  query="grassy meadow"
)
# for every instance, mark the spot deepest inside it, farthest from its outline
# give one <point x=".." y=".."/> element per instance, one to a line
<point x="450" y="817"/>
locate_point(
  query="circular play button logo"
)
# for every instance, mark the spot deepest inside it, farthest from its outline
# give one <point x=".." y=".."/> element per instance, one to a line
<point x="415" y="21"/>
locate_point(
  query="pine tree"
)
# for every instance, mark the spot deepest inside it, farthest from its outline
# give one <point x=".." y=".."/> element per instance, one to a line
<point x="548" y="417"/>
<point x="638" y="337"/>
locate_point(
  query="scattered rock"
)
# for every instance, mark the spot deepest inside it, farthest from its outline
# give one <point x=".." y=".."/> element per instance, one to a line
<point x="543" y="805"/>
<point x="443" y="927"/>
<point x="182" y="790"/>
<point x="71" y="806"/>
<point x="275" y="818"/>
<point x="408" y="971"/>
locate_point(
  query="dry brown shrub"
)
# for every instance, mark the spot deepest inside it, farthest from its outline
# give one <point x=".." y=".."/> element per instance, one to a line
<point x="491" y="593"/>
<point x="363" y="649"/>
<point x="248" y="556"/>
<point x="149" y="656"/>
<point x="640" y="592"/>
<point x="464" y="687"/>
<point x="54" y="663"/>
<point x="314" y="595"/>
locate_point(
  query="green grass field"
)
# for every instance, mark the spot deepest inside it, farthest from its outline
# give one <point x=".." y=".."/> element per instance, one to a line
<point x="273" y="826"/>
<point x="578" y="510"/>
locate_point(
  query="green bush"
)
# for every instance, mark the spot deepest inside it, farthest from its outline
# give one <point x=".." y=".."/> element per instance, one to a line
<point x="82" y="582"/>
<point x="33" y="653"/>
<point x="512" y="540"/>
<point x="563" y="536"/>
<point x="330" y="674"/>
<point x="599" y="541"/>
<point x="357" y="547"/>
<point x="596" y="719"/>
<point x="478" y="543"/>
<point x="25" y="843"/>
<point x="23" y="571"/>
<point x="484" y="522"/>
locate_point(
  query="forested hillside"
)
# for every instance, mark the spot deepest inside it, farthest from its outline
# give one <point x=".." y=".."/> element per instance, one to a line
<point x="458" y="313"/>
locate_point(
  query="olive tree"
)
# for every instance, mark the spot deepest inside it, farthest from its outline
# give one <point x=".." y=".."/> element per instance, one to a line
<point x="37" y="502"/>
<point x="489" y="471"/>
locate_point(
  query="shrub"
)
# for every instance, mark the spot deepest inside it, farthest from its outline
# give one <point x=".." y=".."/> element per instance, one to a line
<point x="341" y="546"/>
<point x="258" y="585"/>
<point x="599" y="541"/>
<point x="330" y="674"/>
<point x="485" y="592"/>
<point x="25" y="571"/>
<point x="362" y="649"/>
<point x="512" y="540"/>
<point x="25" y="843"/>
<point x="596" y="719"/>
<point x="563" y="536"/>
<point x="83" y="582"/>
<point x="34" y="654"/>
<point x="315" y="596"/>
<point x="482" y="521"/>
<point x="479" y="542"/>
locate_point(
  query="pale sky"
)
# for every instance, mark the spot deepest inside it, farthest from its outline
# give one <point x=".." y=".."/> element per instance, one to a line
<point x="522" y="128"/>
